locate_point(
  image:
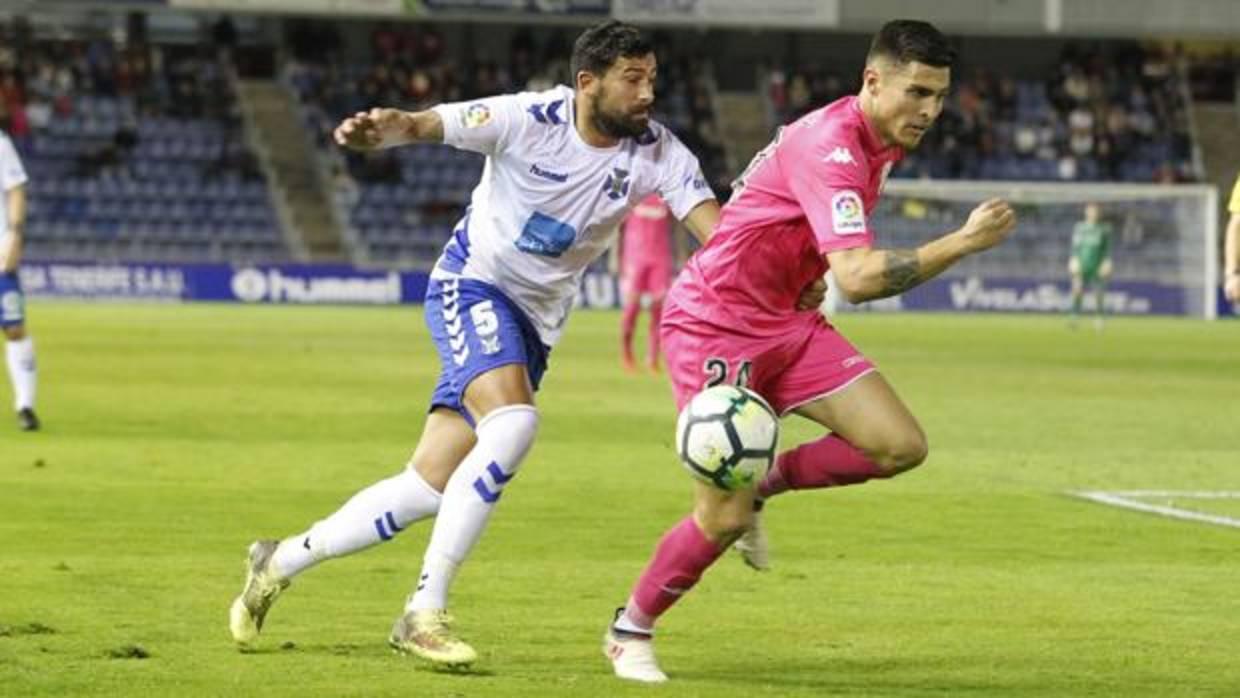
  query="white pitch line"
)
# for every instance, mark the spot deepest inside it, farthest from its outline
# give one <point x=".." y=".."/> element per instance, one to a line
<point x="1121" y="499"/>
<point x="1177" y="493"/>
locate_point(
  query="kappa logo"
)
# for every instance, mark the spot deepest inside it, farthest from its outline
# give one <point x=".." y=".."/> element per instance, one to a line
<point x="840" y="156"/>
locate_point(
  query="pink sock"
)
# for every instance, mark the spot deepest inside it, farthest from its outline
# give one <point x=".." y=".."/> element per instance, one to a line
<point x="828" y="462"/>
<point x="656" y="312"/>
<point x="683" y="555"/>
<point x="628" y="322"/>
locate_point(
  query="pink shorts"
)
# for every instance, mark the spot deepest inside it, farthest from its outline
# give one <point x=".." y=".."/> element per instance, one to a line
<point x="809" y="361"/>
<point x="649" y="279"/>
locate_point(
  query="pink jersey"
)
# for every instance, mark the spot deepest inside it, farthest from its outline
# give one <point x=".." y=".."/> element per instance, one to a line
<point x="646" y="240"/>
<point x="808" y="193"/>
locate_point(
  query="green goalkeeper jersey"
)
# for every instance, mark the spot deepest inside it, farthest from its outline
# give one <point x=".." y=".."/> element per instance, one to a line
<point x="1091" y="243"/>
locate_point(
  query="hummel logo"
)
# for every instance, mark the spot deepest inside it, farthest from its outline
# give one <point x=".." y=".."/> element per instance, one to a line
<point x="840" y="155"/>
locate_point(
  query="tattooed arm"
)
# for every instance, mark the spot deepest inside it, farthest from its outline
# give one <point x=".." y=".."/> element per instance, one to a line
<point x="866" y="274"/>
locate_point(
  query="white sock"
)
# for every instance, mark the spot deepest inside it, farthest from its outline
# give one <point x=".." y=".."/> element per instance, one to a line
<point x="371" y="516"/>
<point x="504" y="437"/>
<point x="628" y="624"/>
<point x="20" y="355"/>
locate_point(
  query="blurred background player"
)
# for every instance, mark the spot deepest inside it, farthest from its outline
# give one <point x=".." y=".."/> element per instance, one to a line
<point x="645" y="272"/>
<point x="1090" y="262"/>
<point x="564" y="167"/>
<point x="19" y="346"/>
<point x="800" y="207"/>
<point x="1231" y="248"/>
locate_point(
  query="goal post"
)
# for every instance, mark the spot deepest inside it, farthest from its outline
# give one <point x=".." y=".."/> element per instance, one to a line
<point x="1164" y="246"/>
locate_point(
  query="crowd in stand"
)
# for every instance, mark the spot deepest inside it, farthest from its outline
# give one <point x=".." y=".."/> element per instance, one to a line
<point x="44" y="81"/>
<point x="1113" y="113"/>
<point x="133" y="148"/>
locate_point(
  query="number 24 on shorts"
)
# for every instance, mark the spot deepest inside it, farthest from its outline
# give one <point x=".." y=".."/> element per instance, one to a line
<point x="716" y="370"/>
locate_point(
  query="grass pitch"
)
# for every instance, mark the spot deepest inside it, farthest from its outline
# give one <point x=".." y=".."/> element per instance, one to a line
<point x="177" y="434"/>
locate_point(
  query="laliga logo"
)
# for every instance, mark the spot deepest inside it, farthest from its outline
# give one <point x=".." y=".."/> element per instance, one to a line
<point x="477" y="115"/>
<point x="847" y="207"/>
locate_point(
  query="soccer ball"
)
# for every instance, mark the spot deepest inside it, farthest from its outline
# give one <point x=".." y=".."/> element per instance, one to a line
<point x="726" y="436"/>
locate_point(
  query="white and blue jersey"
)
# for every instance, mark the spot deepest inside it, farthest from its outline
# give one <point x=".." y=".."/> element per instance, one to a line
<point x="547" y="205"/>
<point x="12" y="174"/>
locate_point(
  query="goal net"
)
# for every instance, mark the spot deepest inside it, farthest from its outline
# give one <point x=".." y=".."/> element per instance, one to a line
<point x="1163" y="247"/>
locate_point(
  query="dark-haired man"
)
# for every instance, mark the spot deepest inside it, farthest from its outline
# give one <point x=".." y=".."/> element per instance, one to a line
<point x="800" y="208"/>
<point x="563" y="168"/>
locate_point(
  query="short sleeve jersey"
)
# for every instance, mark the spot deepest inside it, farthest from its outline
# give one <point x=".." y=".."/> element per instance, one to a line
<point x="809" y="192"/>
<point x="549" y="203"/>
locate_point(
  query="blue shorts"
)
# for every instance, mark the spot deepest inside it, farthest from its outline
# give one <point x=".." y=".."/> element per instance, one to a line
<point x="476" y="328"/>
<point x="12" y="301"/>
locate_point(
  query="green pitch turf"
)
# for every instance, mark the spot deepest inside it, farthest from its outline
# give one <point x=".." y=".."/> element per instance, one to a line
<point x="177" y="434"/>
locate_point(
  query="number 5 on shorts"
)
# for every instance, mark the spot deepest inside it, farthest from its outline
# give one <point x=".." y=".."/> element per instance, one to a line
<point x="716" y="370"/>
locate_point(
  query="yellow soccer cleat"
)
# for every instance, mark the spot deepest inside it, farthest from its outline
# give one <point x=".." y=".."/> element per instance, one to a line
<point x="427" y="634"/>
<point x="245" y="618"/>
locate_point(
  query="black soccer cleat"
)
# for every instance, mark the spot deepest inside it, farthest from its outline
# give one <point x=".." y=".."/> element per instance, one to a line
<point x="27" y="420"/>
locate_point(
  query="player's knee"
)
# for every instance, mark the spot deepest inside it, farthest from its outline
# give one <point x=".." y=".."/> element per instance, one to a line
<point x="723" y="525"/>
<point x="15" y="333"/>
<point x="510" y="432"/>
<point x="905" y="451"/>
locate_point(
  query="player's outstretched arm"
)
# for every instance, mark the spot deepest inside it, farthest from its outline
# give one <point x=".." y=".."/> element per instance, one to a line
<point x="864" y="273"/>
<point x="386" y="128"/>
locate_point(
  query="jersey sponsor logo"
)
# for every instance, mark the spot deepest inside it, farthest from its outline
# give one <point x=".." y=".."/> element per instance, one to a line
<point x="840" y="156"/>
<point x="547" y="114"/>
<point x="617" y="184"/>
<point x="848" y="215"/>
<point x="476" y="115"/>
<point x="545" y="236"/>
<point x="548" y="174"/>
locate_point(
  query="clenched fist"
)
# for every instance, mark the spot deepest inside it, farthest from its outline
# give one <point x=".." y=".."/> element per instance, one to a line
<point x="989" y="224"/>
